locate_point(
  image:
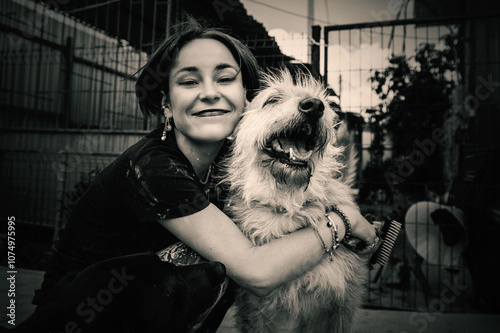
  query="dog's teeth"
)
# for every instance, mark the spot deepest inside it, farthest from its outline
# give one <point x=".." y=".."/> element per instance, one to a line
<point x="292" y="156"/>
<point x="277" y="146"/>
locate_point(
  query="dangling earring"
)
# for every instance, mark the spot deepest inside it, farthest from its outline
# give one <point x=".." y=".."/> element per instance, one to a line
<point x="168" y="126"/>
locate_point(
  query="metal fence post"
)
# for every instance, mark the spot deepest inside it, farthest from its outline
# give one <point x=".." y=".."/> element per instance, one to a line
<point x="60" y="193"/>
<point x="315" y="54"/>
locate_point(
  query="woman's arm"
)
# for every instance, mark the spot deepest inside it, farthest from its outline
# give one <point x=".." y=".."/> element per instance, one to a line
<point x="260" y="269"/>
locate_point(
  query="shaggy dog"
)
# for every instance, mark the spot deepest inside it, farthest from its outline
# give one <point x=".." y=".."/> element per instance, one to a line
<point x="284" y="176"/>
<point x="134" y="293"/>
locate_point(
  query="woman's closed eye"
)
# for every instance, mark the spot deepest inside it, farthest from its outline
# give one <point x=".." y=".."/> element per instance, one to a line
<point x="226" y="79"/>
<point x="187" y="82"/>
<point x="226" y="75"/>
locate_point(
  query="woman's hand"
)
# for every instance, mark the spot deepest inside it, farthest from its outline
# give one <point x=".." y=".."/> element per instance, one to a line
<point x="364" y="238"/>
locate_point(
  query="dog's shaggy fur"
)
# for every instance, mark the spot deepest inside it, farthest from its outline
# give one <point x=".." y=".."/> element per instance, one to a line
<point x="284" y="174"/>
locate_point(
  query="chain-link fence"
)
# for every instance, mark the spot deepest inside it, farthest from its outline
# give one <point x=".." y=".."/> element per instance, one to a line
<point x="426" y="92"/>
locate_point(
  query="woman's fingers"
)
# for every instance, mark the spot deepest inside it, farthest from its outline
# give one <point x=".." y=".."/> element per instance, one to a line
<point x="365" y="240"/>
<point x="365" y="237"/>
<point x="371" y="246"/>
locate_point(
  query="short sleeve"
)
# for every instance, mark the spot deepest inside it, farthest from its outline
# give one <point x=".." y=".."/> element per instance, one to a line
<point x="161" y="186"/>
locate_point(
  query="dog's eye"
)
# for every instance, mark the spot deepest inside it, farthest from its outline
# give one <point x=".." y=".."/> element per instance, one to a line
<point x="271" y="100"/>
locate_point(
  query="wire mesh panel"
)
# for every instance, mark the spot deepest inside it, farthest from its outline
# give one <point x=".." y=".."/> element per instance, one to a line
<point x="418" y="85"/>
<point x="48" y="183"/>
<point x="58" y="72"/>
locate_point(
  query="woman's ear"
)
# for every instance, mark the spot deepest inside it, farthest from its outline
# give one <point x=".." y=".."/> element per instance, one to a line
<point x="164" y="98"/>
<point x="165" y="105"/>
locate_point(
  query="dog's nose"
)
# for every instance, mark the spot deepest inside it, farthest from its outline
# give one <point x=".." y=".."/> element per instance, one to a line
<point x="312" y="107"/>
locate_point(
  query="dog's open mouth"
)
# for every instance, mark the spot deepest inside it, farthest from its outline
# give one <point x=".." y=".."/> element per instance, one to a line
<point x="293" y="147"/>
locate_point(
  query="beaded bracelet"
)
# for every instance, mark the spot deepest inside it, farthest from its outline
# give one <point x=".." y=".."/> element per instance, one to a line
<point x="345" y="219"/>
<point x="327" y="250"/>
<point x="335" y="232"/>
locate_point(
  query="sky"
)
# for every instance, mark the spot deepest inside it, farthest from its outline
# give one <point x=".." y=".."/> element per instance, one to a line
<point x="292" y="15"/>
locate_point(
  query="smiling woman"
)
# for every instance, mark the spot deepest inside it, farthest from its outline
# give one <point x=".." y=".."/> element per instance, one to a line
<point x="206" y="96"/>
<point x="164" y="189"/>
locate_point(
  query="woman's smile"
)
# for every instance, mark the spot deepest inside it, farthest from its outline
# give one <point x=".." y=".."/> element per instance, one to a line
<point x="211" y="113"/>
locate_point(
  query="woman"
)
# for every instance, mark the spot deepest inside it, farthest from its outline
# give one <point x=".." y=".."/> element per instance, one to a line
<point x="161" y="190"/>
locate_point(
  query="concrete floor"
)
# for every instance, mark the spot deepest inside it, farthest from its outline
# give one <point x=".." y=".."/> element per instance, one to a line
<point x="369" y="321"/>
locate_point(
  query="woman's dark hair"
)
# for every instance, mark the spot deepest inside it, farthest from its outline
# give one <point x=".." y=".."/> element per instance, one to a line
<point x="154" y="75"/>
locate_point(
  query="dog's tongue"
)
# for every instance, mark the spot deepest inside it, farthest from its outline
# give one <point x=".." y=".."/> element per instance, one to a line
<point x="296" y="150"/>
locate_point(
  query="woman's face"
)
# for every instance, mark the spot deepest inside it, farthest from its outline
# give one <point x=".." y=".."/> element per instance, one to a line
<point x="206" y="95"/>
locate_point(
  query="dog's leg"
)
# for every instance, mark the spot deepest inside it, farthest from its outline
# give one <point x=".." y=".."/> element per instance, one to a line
<point x="338" y="319"/>
<point x="248" y="317"/>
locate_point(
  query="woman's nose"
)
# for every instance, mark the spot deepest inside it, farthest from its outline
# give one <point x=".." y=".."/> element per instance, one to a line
<point x="210" y="92"/>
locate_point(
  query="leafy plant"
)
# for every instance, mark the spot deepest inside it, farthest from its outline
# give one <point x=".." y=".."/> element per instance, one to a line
<point x="416" y="94"/>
